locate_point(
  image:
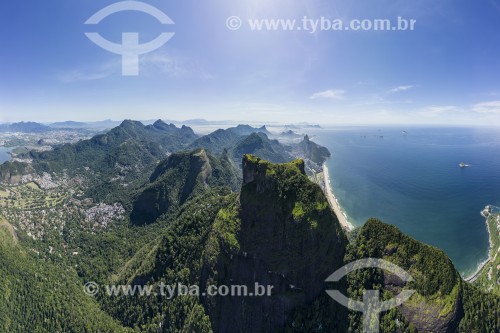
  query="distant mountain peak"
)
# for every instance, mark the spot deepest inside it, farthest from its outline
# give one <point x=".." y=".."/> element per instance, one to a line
<point x="68" y="124"/>
<point x="24" y="127"/>
<point x="159" y="122"/>
<point x="264" y="129"/>
<point x="131" y="123"/>
<point x="243" y="129"/>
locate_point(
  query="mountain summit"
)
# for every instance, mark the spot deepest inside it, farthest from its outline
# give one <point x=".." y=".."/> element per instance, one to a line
<point x="284" y="234"/>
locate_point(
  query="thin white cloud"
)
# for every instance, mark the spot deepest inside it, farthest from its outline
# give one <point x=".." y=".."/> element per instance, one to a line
<point x="434" y="111"/>
<point x="173" y="66"/>
<point x="164" y="63"/>
<point x="376" y="100"/>
<point x="329" y="94"/>
<point x="156" y="63"/>
<point x="401" y="88"/>
<point x="78" y="75"/>
<point x="487" y="107"/>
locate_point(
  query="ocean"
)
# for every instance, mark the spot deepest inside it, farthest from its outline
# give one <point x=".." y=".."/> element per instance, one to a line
<point x="4" y="154"/>
<point x="410" y="177"/>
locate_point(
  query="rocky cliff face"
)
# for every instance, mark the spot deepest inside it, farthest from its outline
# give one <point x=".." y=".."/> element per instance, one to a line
<point x="432" y="317"/>
<point x="437" y="304"/>
<point x="12" y="172"/>
<point x="286" y="237"/>
<point x="313" y="151"/>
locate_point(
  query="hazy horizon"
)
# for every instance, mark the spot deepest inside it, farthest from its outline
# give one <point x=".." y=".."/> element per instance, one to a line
<point x="444" y="71"/>
<point x="222" y="123"/>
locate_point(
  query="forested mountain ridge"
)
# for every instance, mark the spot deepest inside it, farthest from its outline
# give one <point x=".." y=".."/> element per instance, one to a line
<point x="222" y="139"/>
<point x="280" y="231"/>
<point x="124" y="151"/>
<point x="259" y="144"/>
<point x="126" y="144"/>
<point x="182" y="176"/>
<point x="134" y="207"/>
<point x="130" y="150"/>
<point x="219" y="238"/>
<point x="39" y="297"/>
<point x="243" y="139"/>
<point x="443" y="302"/>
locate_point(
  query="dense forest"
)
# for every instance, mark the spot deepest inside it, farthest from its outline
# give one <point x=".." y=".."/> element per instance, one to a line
<point x="158" y="205"/>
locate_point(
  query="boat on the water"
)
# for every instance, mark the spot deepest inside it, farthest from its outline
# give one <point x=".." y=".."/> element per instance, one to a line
<point x="463" y="165"/>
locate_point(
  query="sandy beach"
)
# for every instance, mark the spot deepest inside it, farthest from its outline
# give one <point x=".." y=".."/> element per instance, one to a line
<point x="333" y="201"/>
<point x="479" y="269"/>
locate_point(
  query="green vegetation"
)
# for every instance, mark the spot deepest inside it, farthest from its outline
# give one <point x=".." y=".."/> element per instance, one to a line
<point x="287" y="185"/>
<point x="30" y="196"/>
<point x="260" y="145"/>
<point x="481" y="311"/>
<point x="489" y="277"/>
<point x="227" y="226"/>
<point x="128" y="144"/>
<point x="180" y="177"/>
<point x="279" y="233"/>
<point x="174" y="257"/>
<point x="36" y="296"/>
<point x="116" y="210"/>
<point x="217" y="141"/>
<point x="442" y="299"/>
<point x="243" y="139"/>
<point x="10" y="172"/>
<point x="7" y="226"/>
<point x="313" y="151"/>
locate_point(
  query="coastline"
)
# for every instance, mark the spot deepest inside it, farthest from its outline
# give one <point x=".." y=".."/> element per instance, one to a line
<point x="334" y="204"/>
<point x="481" y="265"/>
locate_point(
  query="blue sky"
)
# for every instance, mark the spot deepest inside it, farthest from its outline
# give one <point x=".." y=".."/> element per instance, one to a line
<point x="446" y="71"/>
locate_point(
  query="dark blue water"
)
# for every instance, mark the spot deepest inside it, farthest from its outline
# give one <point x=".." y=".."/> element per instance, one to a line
<point x="414" y="182"/>
<point x="4" y="154"/>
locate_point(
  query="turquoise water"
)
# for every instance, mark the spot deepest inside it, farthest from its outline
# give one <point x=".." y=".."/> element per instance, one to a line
<point x="4" y="154"/>
<point x="413" y="180"/>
